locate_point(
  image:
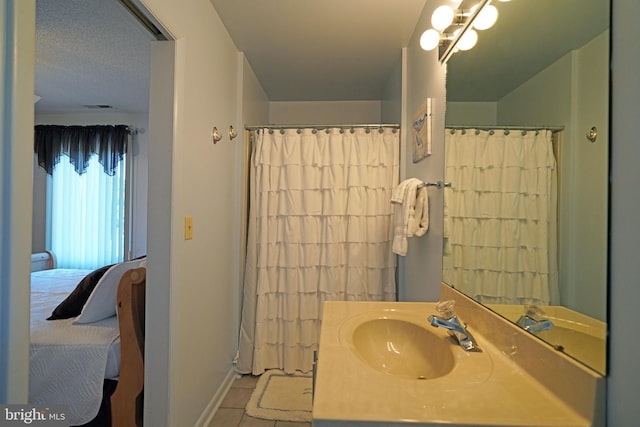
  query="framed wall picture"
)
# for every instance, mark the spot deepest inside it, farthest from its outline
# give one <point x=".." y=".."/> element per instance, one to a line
<point x="421" y="131"/>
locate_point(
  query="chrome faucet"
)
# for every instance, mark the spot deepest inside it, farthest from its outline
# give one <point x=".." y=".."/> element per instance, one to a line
<point x="533" y="321"/>
<point x="449" y="320"/>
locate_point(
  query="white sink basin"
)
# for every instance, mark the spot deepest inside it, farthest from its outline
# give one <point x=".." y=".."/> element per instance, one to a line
<point x="396" y="342"/>
<point x="403" y="349"/>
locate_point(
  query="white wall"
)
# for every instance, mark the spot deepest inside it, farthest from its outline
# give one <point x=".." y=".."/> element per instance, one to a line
<point x="162" y="98"/>
<point x="17" y="38"/>
<point x="420" y="272"/>
<point x="195" y="278"/>
<point x="254" y="110"/>
<point x="623" y="383"/>
<point x="590" y="177"/>
<point x="324" y="112"/>
<point x="545" y="99"/>
<point x="472" y="113"/>
<point x="140" y="142"/>
<point x="255" y="103"/>
<point x="391" y="104"/>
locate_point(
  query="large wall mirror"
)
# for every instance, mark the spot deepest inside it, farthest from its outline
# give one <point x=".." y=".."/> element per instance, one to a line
<point x="526" y="151"/>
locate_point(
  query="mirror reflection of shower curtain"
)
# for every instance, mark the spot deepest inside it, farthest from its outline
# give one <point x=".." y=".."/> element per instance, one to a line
<point x="319" y="229"/>
<point x="500" y="228"/>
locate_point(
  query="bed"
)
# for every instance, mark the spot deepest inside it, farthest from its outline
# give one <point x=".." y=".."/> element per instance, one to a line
<point x="80" y="350"/>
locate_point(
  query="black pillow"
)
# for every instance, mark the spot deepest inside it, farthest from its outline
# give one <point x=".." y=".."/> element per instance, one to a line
<point x="73" y="303"/>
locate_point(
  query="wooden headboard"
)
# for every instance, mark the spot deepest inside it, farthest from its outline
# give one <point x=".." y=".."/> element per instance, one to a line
<point x="127" y="400"/>
<point x="43" y="261"/>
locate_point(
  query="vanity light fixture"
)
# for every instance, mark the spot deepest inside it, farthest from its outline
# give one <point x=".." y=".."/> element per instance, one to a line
<point x="486" y="18"/>
<point x="468" y="40"/>
<point x="455" y="30"/>
<point x="442" y="17"/>
<point x="430" y="39"/>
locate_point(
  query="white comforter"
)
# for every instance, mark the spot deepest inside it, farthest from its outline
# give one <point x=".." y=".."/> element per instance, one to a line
<point x="67" y="361"/>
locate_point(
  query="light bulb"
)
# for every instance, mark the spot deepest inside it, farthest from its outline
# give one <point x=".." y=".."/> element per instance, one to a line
<point x="468" y="40"/>
<point x="442" y="17"/>
<point x="486" y="18"/>
<point x="429" y="39"/>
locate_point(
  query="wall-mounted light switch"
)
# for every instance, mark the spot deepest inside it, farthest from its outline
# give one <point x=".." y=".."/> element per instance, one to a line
<point x="188" y="228"/>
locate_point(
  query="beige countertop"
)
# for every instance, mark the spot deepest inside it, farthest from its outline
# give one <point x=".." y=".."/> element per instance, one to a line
<point x="482" y="389"/>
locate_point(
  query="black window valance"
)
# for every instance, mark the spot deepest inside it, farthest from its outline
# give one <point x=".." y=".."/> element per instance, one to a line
<point x="80" y="143"/>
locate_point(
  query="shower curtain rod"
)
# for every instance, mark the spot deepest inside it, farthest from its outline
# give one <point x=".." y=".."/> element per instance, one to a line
<point x="507" y="127"/>
<point x="349" y="126"/>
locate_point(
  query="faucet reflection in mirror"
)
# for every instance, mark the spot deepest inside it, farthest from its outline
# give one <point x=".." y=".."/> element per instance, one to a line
<point x="455" y="30"/>
<point x="533" y="321"/>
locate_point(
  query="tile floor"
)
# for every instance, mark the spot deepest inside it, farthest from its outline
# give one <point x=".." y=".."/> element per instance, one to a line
<point x="231" y="412"/>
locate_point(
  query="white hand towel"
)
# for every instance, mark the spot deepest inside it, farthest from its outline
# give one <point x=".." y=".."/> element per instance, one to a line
<point x="420" y="224"/>
<point x="398" y="193"/>
<point x="404" y="214"/>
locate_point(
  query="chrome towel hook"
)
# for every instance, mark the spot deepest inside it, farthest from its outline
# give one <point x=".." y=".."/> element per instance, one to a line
<point x="232" y="132"/>
<point x="215" y="135"/>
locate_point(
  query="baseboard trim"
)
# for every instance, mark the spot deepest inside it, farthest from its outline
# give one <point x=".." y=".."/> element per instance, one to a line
<point x="212" y="407"/>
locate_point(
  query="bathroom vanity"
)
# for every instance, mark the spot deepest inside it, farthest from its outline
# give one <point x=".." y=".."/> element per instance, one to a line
<point x="381" y="363"/>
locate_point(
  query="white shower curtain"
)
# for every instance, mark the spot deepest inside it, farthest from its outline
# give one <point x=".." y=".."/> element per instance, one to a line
<point x="319" y="229"/>
<point x="500" y="215"/>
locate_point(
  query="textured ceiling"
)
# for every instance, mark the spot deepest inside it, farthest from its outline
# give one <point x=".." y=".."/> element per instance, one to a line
<point x="93" y="52"/>
<point x="90" y="52"/>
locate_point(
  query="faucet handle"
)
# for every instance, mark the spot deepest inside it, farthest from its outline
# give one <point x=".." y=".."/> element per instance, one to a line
<point x="534" y="312"/>
<point x="446" y="308"/>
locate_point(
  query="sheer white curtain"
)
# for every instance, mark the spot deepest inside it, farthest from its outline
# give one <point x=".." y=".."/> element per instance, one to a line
<point x="86" y="215"/>
<point x="319" y="229"/>
<point x="500" y="215"/>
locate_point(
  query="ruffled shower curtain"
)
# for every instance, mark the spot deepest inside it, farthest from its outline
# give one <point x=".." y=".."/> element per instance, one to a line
<point x="500" y="215"/>
<point x="319" y="229"/>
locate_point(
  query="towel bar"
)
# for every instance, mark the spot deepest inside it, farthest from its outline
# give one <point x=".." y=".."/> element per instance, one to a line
<point x="437" y="184"/>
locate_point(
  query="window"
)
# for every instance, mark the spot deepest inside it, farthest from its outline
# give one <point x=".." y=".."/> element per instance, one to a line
<point x="86" y="215"/>
<point x="86" y="192"/>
